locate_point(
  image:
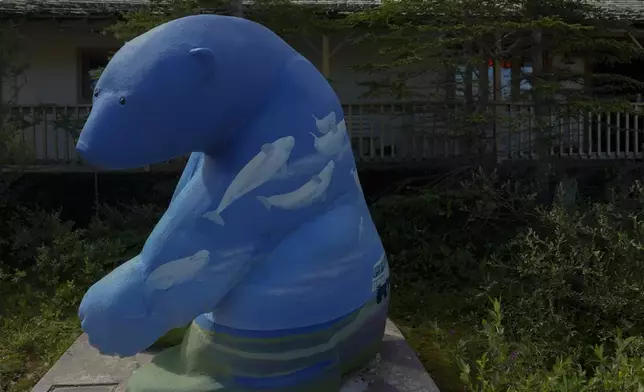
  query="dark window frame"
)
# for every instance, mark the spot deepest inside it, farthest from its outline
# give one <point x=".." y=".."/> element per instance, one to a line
<point x="88" y="59"/>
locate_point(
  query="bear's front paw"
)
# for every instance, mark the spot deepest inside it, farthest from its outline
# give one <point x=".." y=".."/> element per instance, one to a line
<point x="117" y="335"/>
<point x="113" y="314"/>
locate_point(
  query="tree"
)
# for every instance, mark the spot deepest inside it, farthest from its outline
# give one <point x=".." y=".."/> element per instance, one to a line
<point x="449" y="55"/>
<point x="278" y="15"/>
<point x="11" y="81"/>
<point x="13" y="151"/>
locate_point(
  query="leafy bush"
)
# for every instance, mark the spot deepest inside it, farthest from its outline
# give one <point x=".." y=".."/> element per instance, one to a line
<point x="504" y="365"/>
<point x="44" y="250"/>
<point x="576" y="274"/>
<point x="46" y="267"/>
<point x="438" y="237"/>
<point x="570" y="273"/>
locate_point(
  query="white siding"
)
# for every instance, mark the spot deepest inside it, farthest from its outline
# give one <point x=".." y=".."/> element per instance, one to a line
<point x="51" y="52"/>
<point x="52" y="77"/>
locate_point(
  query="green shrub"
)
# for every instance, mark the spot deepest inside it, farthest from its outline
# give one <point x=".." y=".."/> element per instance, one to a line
<point x="46" y="267"/>
<point x="562" y="269"/>
<point x="503" y="365"/>
<point x="437" y="239"/>
<point x="570" y="273"/>
<point x="576" y="274"/>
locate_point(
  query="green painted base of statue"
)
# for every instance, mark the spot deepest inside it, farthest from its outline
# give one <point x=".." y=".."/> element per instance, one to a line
<point x="208" y="361"/>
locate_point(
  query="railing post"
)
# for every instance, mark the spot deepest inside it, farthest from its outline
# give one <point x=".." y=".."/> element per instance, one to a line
<point x="326" y="56"/>
<point x="636" y="147"/>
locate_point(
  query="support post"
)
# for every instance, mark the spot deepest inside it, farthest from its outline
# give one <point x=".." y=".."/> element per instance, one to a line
<point x="498" y="80"/>
<point x="516" y="78"/>
<point x="237" y="8"/>
<point x="497" y="69"/>
<point x="635" y="41"/>
<point x="326" y="56"/>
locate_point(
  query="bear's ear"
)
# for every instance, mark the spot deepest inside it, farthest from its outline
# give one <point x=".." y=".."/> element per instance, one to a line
<point x="206" y="57"/>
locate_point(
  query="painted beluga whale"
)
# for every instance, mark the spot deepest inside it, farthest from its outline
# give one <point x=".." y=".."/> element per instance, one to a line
<point x="304" y="196"/>
<point x="178" y="271"/>
<point x="277" y="294"/>
<point x="326" y="123"/>
<point x="263" y="167"/>
<point x="334" y="141"/>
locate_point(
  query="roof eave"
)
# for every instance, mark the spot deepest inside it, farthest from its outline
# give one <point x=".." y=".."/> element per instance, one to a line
<point x="7" y="12"/>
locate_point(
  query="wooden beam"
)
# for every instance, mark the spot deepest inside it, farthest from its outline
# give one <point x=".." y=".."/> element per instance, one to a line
<point x="326" y="56"/>
<point x="1" y="95"/>
<point x="516" y="78"/>
<point x="237" y="8"/>
<point x="313" y="46"/>
<point x="497" y="74"/>
<point x="622" y="32"/>
<point x="496" y="70"/>
<point x="341" y="44"/>
<point x="635" y="41"/>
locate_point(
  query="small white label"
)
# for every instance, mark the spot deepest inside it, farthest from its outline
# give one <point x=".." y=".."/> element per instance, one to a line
<point x="380" y="273"/>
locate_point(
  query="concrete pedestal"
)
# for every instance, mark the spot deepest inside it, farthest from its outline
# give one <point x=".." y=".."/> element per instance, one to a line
<point x="83" y="369"/>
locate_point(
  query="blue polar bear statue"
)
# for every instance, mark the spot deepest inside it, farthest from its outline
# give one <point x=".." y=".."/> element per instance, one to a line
<point x="267" y="248"/>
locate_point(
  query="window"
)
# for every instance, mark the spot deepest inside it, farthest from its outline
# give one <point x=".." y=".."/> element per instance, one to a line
<point x="89" y="60"/>
<point x="526" y="85"/>
<point x="506" y="79"/>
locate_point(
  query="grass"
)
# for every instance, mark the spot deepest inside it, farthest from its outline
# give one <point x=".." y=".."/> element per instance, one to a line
<point x="430" y="323"/>
<point x="31" y="342"/>
<point x="438" y="360"/>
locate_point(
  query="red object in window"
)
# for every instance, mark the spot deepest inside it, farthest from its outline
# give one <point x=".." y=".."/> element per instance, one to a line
<point x="502" y="63"/>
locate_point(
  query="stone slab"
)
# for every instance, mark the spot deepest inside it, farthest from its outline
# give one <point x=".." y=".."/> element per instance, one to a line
<point x="82" y="369"/>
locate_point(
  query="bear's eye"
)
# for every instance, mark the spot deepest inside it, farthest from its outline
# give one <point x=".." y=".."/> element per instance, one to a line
<point x="122" y="101"/>
<point x="96" y="93"/>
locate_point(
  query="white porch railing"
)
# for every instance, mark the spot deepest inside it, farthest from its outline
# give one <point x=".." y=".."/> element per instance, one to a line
<point x="49" y="132"/>
<point x="392" y="132"/>
<point x="568" y="132"/>
<point x="416" y="132"/>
